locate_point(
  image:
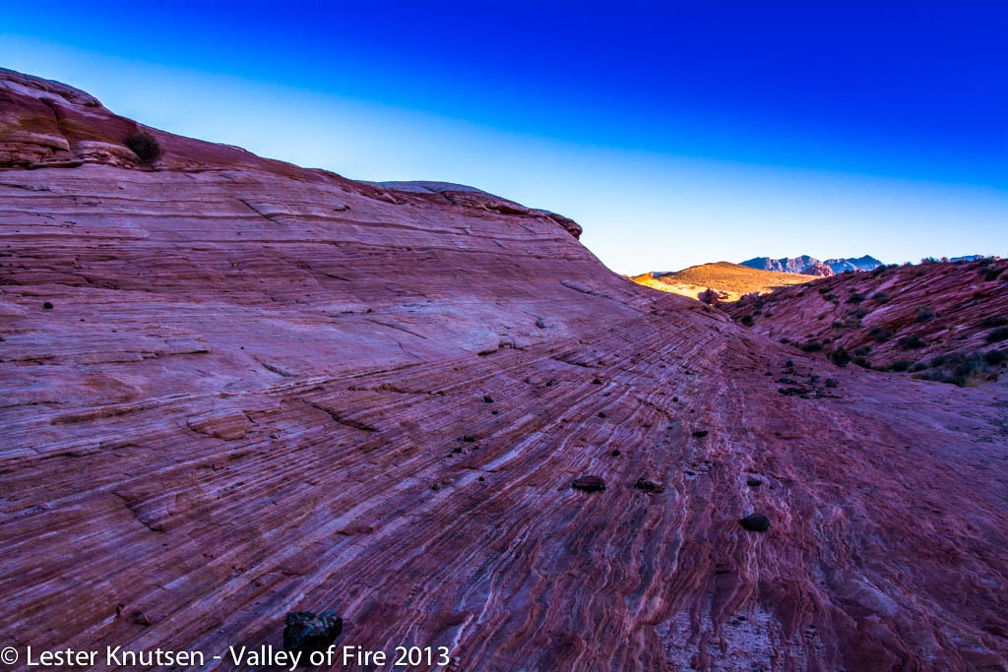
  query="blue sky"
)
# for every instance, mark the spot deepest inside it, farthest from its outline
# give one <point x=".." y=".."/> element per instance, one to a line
<point x="676" y="133"/>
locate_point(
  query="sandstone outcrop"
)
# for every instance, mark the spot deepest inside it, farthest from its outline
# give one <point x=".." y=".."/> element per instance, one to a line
<point x="819" y="270"/>
<point x="235" y="388"/>
<point x="941" y="321"/>
<point x="721" y="280"/>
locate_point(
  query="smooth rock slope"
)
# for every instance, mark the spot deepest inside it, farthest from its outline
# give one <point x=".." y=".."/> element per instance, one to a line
<point x="235" y="388"/>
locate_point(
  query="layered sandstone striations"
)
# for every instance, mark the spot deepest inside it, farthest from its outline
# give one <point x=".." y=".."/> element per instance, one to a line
<point x="234" y="389"/>
<point x="940" y="321"/>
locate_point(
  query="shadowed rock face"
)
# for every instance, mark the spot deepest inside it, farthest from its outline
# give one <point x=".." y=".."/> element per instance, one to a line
<point x="252" y="376"/>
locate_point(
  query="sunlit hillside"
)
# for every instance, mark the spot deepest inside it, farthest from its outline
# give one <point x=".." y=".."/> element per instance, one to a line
<point x="730" y="280"/>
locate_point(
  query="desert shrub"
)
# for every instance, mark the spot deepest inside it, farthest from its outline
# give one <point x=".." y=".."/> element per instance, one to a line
<point x="811" y="346"/>
<point x="747" y="320"/>
<point x="924" y="314"/>
<point x="935" y="375"/>
<point x="145" y="146"/>
<point x="840" y="356"/>
<point x="880" y="335"/>
<point x="995" y="357"/>
<point x="901" y="365"/>
<point x="837" y="324"/>
<point x="998" y="335"/>
<point x="861" y="351"/>
<point x="881" y="297"/>
<point x="912" y="342"/>
<point x="919" y="366"/>
<point x="991" y="273"/>
<point x="861" y="312"/>
<point x="970" y="372"/>
<point x="832" y="382"/>
<point x="855" y="297"/>
<point x="994" y="321"/>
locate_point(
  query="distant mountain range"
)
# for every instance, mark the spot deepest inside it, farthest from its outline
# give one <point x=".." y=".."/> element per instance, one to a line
<point x="807" y="265"/>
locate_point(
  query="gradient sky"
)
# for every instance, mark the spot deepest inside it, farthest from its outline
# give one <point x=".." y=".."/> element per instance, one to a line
<point x="676" y="133"/>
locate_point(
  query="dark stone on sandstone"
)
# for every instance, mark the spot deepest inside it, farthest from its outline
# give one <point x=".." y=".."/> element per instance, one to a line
<point x="648" y="486"/>
<point x="616" y="452"/>
<point x="756" y="522"/>
<point x="700" y="433"/>
<point x="589" y="483"/>
<point x="753" y="482"/>
<point x="597" y="381"/>
<point x="307" y="633"/>
<point x="487" y="399"/>
<point x="469" y="438"/>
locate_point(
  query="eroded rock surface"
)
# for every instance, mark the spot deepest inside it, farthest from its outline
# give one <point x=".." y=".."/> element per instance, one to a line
<point x="250" y="394"/>
<point x="938" y="321"/>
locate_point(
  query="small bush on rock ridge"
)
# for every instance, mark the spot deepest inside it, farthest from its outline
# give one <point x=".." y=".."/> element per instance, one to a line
<point x="840" y="356"/>
<point x="999" y="334"/>
<point x="145" y="146"/>
<point x="911" y="342"/>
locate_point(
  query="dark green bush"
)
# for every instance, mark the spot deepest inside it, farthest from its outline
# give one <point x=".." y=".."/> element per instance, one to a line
<point x="991" y="273"/>
<point x="881" y="335"/>
<point x="811" y="346"/>
<point x="840" y="356"/>
<point x="999" y="334"/>
<point x="900" y="365"/>
<point x="970" y="372"/>
<point x="995" y="357"/>
<point x="993" y="321"/>
<point x="145" y="146"/>
<point x="911" y="342"/>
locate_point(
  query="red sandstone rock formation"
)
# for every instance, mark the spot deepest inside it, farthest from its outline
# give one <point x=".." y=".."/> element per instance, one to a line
<point x="940" y="321"/>
<point x="819" y="270"/>
<point x="235" y="388"/>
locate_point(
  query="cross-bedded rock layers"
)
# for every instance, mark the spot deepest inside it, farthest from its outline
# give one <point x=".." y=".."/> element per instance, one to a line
<point x="234" y="388"/>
